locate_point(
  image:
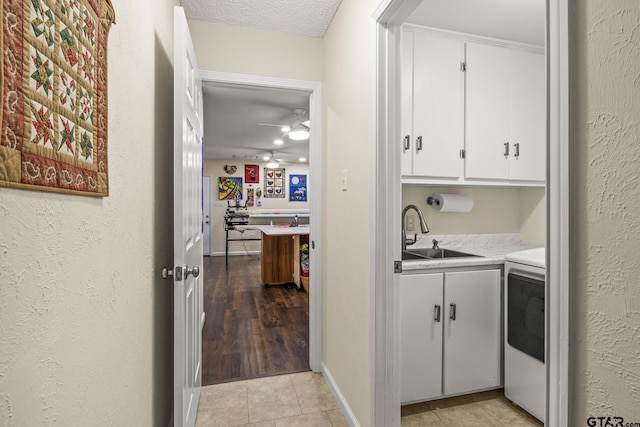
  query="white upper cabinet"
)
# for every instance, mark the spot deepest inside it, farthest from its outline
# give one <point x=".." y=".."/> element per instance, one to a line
<point x="528" y="118"/>
<point x="488" y="117"/>
<point x="432" y="106"/>
<point x="406" y="101"/>
<point x="505" y="114"/>
<point x="483" y="126"/>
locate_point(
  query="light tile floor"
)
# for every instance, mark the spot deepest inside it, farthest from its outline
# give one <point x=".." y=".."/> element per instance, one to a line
<point x="288" y="400"/>
<point x="490" y="408"/>
<point x="305" y="400"/>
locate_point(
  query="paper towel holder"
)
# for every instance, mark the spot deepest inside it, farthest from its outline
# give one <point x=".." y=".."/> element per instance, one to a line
<point x="432" y="201"/>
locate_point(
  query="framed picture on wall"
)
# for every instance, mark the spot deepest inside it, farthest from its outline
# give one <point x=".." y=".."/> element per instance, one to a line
<point x="274" y="183"/>
<point x="297" y="188"/>
<point x="252" y="174"/>
<point x="229" y="188"/>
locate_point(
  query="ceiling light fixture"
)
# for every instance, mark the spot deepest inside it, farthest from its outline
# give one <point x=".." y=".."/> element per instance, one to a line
<point x="299" y="133"/>
<point x="303" y="159"/>
<point x="278" y="142"/>
<point x="285" y="128"/>
<point x="266" y="157"/>
<point x="272" y="165"/>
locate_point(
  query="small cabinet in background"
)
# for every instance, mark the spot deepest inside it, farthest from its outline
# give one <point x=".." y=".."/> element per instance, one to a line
<point x="450" y="333"/>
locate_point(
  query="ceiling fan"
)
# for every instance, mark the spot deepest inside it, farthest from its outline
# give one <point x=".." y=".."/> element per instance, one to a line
<point x="272" y="158"/>
<point x="298" y="130"/>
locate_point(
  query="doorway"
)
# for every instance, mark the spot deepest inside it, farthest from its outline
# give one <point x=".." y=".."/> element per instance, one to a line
<point x="389" y="17"/>
<point x="249" y="248"/>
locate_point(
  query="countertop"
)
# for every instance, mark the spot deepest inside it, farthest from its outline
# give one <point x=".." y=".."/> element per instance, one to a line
<point x="272" y="230"/>
<point x="278" y="213"/>
<point x="492" y="249"/>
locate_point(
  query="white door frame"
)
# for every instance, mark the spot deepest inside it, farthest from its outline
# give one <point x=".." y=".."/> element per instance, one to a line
<point x="207" y="227"/>
<point x="315" y="185"/>
<point x="386" y="192"/>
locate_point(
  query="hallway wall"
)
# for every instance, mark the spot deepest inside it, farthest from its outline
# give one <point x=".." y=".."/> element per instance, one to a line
<point x="85" y="319"/>
<point x="606" y="340"/>
<point x="349" y="94"/>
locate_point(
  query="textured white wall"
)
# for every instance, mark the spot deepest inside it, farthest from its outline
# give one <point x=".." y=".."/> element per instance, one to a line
<point x="348" y="96"/>
<point x="85" y="320"/>
<point x="607" y="211"/>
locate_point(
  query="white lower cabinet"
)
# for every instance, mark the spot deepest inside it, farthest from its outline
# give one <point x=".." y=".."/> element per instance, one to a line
<point x="450" y="333"/>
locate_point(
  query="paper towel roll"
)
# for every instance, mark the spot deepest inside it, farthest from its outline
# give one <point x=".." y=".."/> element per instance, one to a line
<point x="452" y="203"/>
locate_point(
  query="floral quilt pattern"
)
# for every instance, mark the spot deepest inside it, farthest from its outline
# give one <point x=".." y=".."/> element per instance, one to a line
<point x="53" y="88"/>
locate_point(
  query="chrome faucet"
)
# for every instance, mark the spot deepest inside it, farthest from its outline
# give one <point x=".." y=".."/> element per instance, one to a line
<point x="423" y="226"/>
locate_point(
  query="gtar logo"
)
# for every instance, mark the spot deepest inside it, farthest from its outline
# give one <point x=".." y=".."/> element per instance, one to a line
<point x="605" y="422"/>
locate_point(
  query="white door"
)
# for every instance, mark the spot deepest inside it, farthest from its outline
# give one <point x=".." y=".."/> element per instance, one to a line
<point x="420" y="337"/>
<point x="187" y="222"/>
<point x="487" y="127"/>
<point x="206" y="215"/>
<point x="472" y="331"/>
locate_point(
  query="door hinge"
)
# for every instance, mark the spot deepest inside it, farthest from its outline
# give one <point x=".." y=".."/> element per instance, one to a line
<point x="463" y="153"/>
<point x="463" y="67"/>
<point x="397" y="266"/>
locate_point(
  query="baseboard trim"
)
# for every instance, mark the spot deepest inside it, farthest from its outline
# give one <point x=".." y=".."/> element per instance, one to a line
<point x="344" y="406"/>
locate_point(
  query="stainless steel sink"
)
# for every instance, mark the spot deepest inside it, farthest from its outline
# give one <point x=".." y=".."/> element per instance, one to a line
<point x="428" y="253"/>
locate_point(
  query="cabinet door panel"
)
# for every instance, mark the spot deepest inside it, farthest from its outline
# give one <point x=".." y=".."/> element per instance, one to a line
<point x="472" y="341"/>
<point x="420" y="337"/>
<point x="487" y="124"/>
<point x="528" y="116"/>
<point x="438" y="106"/>
<point x="406" y="100"/>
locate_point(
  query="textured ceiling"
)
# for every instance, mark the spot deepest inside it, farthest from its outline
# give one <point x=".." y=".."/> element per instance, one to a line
<point x="303" y="17"/>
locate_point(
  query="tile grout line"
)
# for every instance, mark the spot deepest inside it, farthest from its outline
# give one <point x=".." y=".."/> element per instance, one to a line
<point x="296" y="393"/>
<point x="246" y="389"/>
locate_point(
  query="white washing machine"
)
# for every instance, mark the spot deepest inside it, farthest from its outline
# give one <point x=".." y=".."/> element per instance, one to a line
<point x="524" y="330"/>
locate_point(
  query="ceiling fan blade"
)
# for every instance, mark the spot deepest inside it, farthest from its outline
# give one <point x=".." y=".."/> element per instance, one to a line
<point x="270" y="124"/>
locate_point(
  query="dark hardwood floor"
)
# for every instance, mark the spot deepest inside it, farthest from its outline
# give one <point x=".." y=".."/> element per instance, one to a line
<point x="251" y="330"/>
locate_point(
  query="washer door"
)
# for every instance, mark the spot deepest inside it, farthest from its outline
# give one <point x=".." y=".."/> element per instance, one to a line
<point x="525" y="315"/>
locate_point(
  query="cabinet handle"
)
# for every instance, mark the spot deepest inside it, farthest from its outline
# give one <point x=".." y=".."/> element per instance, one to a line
<point x="406" y="143"/>
<point x="506" y="149"/>
<point x="418" y="144"/>
<point x="517" y="147"/>
<point x="452" y="311"/>
<point x="436" y="312"/>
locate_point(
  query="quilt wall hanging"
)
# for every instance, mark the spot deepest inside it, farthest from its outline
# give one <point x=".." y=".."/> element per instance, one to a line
<point x="53" y="88"/>
<point x="274" y="182"/>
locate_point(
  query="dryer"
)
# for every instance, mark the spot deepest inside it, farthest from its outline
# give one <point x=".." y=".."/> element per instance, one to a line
<point x="524" y="330"/>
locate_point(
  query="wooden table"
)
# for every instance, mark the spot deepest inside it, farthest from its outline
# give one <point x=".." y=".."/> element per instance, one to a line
<point x="281" y="252"/>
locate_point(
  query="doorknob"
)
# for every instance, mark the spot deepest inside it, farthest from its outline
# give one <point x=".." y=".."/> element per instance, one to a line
<point x="195" y="271"/>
